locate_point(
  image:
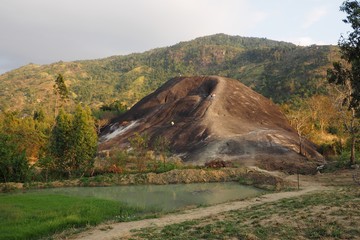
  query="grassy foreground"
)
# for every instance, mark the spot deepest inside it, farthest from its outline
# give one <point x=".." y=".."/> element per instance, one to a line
<point x="333" y="214"/>
<point x="31" y="216"/>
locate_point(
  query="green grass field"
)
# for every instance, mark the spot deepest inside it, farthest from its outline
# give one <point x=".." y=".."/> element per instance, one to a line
<point x="32" y="216"/>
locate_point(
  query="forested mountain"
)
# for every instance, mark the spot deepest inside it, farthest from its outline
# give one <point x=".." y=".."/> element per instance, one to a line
<point x="278" y="70"/>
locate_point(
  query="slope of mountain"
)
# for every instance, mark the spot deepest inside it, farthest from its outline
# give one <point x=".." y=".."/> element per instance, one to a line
<point x="209" y="118"/>
<point x="278" y="70"/>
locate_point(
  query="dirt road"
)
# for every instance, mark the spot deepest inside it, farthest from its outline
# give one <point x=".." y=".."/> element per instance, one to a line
<point x="122" y="230"/>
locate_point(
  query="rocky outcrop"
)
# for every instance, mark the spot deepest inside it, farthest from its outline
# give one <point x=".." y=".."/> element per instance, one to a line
<point x="210" y="118"/>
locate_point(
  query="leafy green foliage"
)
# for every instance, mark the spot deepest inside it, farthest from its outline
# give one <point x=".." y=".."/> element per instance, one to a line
<point x="74" y="141"/>
<point x="14" y="166"/>
<point x="350" y="51"/>
<point x="27" y="134"/>
<point x="39" y="115"/>
<point x="347" y="76"/>
<point x="61" y="142"/>
<point x="277" y="70"/>
<point x="350" y="45"/>
<point x="116" y="106"/>
<point x="84" y="138"/>
<point x="281" y="71"/>
<point x="294" y="73"/>
<point x="60" y="87"/>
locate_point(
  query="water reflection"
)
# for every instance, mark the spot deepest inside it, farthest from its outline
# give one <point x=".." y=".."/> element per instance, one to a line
<point x="166" y="197"/>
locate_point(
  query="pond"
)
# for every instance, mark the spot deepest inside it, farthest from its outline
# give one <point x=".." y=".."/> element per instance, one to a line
<point x="164" y="197"/>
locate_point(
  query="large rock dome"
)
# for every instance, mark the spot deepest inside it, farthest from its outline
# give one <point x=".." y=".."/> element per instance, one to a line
<point x="209" y="117"/>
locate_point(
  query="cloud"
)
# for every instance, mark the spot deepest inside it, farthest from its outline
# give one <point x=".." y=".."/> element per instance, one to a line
<point x="306" y="41"/>
<point x="314" y="16"/>
<point x="43" y="31"/>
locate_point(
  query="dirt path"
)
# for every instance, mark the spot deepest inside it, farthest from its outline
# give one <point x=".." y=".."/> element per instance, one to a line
<point x="122" y="230"/>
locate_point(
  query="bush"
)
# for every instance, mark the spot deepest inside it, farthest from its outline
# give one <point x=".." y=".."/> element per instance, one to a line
<point x="340" y="161"/>
<point x="165" y="166"/>
<point x="14" y="166"/>
<point x="218" y="163"/>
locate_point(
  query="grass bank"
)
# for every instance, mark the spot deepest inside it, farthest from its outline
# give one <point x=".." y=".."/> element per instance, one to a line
<point x="246" y="176"/>
<point x="332" y="214"/>
<point x="32" y="216"/>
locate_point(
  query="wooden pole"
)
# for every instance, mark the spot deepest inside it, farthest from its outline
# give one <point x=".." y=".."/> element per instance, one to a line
<point x="298" y="180"/>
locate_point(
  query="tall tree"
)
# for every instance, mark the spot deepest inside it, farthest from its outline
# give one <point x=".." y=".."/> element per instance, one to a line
<point x="347" y="74"/>
<point x="74" y="141"/>
<point x="299" y="120"/>
<point x="27" y="134"/>
<point x="322" y="110"/>
<point x="347" y="106"/>
<point x="61" y="91"/>
<point x="84" y="139"/>
<point x="61" y="145"/>
<point x="14" y="166"/>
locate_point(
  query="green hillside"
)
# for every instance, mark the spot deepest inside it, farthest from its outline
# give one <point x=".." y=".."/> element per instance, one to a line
<point x="278" y="70"/>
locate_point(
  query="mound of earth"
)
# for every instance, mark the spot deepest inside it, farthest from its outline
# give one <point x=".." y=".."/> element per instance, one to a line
<point x="210" y="118"/>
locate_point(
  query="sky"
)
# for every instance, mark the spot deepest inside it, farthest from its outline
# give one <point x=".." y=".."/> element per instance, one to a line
<point x="47" y="31"/>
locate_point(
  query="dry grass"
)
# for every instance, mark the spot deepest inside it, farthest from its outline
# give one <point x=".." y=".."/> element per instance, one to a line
<point x="333" y="214"/>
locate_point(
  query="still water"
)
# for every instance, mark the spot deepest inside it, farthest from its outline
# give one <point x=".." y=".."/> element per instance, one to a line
<point x="165" y="197"/>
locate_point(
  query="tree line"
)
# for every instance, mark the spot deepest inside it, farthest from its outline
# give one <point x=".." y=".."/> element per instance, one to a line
<point x="63" y="142"/>
<point x="60" y="146"/>
<point x="337" y="111"/>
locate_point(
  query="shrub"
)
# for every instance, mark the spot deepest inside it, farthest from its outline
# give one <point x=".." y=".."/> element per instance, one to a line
<point x="14" y="166"/>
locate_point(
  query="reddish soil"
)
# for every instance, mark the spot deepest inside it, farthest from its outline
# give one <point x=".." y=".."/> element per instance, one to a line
<point x="215" y="118"/>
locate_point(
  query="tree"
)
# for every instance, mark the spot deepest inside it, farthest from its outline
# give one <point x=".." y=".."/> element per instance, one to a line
<point x="299" y="120"/>
<point x="139" y="144"/>
<point x="74" y="141"/>
<point x="322" y="111"/>
<point x="39" y="115"/>
<point x="60" y="91"/>
<point x="347" y="75"/>
<point x="14" y="166"/>
<point x="84" y="139"/>
<point x="347" y="108"/>
<point x="60" y="87"/>
<point x="161" y="148"/>
<point x="27" y="134"/>
<point x="61" y="142"/>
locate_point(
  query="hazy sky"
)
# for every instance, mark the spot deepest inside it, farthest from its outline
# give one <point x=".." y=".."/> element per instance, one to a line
<point x="46" y="31"/>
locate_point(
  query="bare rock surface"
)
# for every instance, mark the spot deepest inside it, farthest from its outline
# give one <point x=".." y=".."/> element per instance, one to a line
<point x="210" y="117"/>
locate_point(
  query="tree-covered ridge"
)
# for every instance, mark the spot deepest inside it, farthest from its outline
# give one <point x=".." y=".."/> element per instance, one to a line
<point x="278" y="70"/>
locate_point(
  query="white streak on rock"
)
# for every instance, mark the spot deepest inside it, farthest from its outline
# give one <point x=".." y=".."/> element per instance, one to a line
<point x="120" y="130"/>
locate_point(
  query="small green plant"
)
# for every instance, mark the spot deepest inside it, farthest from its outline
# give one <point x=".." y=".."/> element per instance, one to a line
<point x="340" y="161"/>
<point x="139" y="144"/>
<point x="118" y="161"/>
<point x="246" y="181"/>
